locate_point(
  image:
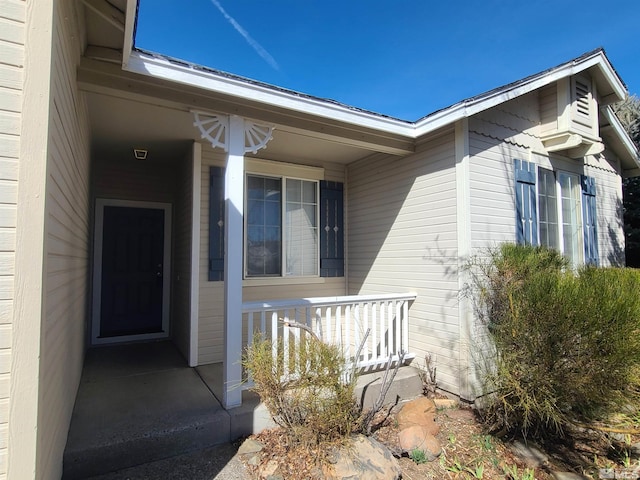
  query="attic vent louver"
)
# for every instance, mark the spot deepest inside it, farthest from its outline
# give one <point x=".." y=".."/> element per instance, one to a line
<point x="582" y="98"/>
<point x="570" y="117"/>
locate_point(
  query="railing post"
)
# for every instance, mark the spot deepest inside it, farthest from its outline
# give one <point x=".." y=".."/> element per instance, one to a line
<point x="398" y="326"/>
<point x="365" y="327"/>
<point x="405" y="326"/>
<point x="374" y="330"/>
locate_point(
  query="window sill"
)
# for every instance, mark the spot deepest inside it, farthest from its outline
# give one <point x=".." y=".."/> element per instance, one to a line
<point x="276" y="281"/>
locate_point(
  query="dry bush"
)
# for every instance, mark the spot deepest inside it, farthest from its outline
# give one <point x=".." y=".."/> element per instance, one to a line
<point x="567" y="345"/>
<point x="312" y="402"/>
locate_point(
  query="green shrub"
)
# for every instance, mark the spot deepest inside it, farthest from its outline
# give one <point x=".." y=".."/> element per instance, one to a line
<point x="312" y="403"/>
<point x="567" y="345"/>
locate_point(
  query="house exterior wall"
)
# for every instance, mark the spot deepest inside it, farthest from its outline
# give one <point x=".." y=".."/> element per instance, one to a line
<point x="12" y="52"/>
<point x="181" y="256"/>
<point x="169" y="182"/>
<point x="402" y="237"/>
<point x="606" y="170"/>
<point x="47" y="301"/>
<point x="496" y="137"/>
<point x="129" y="179"/>
<point x="509" y="131"/>
<point x="211" y="298"/>
<point x="66" y="243"/>
<point x="512" y="131"/>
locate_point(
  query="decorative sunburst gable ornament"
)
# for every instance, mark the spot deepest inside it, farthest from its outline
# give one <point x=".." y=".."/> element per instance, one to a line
<point x="256" y="136"/>
<point x="215" y="128"/>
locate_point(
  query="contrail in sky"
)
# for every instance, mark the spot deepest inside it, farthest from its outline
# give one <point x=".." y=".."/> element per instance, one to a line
<point x="255" y="45"/>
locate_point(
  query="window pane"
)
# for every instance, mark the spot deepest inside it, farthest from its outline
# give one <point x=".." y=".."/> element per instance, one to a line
<point x="301" y="228"/>
<point x="294" y="190"/>
<point x="547" y="208"/>
<point x="264" y="236"/>
<point x="571" y="217"/>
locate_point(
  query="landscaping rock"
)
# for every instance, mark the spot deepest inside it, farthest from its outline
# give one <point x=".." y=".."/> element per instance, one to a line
<point x="634" y="451"/>
<point x="250" y="446"/>
<point x="530" y="454"/>
<point x="421" y="411"/>
<point x="445" y="403"/>
<point x="417" y="437"/>
<point x="249" y="451"/>
<point x="568" y="476"/>
<point x="364" y="459"/>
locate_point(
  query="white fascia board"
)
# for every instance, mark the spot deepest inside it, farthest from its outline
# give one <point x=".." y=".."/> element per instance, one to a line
<point x="610" y="74"/>
<point x="471" y="107"/>
<point x="129" y="28"/>
<point x="622" y="135"/>
<point x="163" y="69"/>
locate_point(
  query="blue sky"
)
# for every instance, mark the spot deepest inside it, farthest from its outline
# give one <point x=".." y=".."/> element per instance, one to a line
<point x="403" y="58"/>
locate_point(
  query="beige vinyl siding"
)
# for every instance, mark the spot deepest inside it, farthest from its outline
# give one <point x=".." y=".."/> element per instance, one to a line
<point x="491" y="191"/>
<point x="402" y="237"/>
<point x="496" y="137"/>
<point x="12" y="51"/>
<point x="181" y="257"/>
<point x="211" y="299"/>
<point x="548" y="109"/>
<point x="510" y="131"/>
<point x="66" y="248"/>
<point x="211" y="296"/>
<point x="130" y="179"/>
<point x="605" y="170"/>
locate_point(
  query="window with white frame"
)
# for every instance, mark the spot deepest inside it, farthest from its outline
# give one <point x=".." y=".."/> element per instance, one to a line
<point x="294" y="222"/>
<point x="281" y="227"/>
<point x="556" y="209"/>
<point x="564" y="235"/>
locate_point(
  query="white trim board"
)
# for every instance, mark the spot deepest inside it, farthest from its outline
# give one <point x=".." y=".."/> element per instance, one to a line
<point x="97" y="271"/>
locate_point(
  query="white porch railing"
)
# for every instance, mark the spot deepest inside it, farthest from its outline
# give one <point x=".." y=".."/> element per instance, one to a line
<point x="342" y="321"/>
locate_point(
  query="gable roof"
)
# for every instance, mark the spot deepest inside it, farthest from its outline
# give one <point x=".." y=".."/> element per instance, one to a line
<point x="609" y="85"/>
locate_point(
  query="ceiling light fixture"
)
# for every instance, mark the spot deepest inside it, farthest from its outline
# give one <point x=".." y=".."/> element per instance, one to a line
<point x="140" y="153"/>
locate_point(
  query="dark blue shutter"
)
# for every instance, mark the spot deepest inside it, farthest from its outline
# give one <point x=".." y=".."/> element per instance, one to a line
<point x="526" y="216"/>
<point x="331" y="229"/>
<point x="589" y="220"/>
<point x="216" y="224"/>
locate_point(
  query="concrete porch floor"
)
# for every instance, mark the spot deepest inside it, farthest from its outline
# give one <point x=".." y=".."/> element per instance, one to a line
<point x="140" y="403"/>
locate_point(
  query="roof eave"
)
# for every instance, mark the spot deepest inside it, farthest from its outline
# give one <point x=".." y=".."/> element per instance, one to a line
<point x="159" y="67"/>
<point x="630" y="158"/>
<point x="474" y="105"/>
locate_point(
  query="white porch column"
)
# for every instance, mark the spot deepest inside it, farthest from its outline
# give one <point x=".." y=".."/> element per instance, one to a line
<point x="236" y="136"/>
<point x="234" y="208"/>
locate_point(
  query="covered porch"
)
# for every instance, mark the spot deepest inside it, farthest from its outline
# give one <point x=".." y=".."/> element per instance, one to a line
<point x="210" y="306"/>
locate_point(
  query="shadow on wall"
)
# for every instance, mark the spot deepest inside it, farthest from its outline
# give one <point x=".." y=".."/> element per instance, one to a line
<point x="617" y="255"/>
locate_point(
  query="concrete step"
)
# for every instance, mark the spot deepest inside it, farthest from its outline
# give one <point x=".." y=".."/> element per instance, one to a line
<point x="125" y="420"/>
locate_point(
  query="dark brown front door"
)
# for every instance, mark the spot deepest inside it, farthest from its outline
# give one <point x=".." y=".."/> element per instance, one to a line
<point x="132" y="271"/>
